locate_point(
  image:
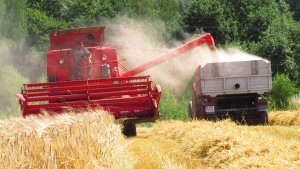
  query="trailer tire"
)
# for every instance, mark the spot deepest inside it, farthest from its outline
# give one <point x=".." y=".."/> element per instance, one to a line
<point x="129" y="129"/>
<point x="263" y="118"/>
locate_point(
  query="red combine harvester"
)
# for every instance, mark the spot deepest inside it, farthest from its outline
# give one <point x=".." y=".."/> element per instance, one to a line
<point x="100" y="82"/>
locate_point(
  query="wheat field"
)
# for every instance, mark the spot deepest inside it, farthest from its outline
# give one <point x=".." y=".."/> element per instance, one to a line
<point x="93" y="140"/>
<point x="88" y="140"/>
<point x="287" y="118"/>
<point x="202" y="144"/>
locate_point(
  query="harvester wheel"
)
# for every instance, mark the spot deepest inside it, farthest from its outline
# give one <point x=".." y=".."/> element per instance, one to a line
<point x="129" y="129"/>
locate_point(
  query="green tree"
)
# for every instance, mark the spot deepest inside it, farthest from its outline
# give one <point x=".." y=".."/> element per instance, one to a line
<point x="283" y="90"/>
<point x="231" y="20"/>
<point x="83" y="13"/>
<point x="53" y="8"/>
<point x="40" y="27"/>
<point x="13" y="20"/>
<point x="280" y="44"/>
<point x="203" y="15"/>
<point x="47" y="16"/>
<point x="11" y="82"/>
<point x="294" y="6"/>
<point x="166" y="11"/>
<point x="173" y="106"/>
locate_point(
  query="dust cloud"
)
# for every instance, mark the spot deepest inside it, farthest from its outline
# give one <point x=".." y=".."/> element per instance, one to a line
<point x="5" y="53"/>
<point x="137" y="43"/>
<point x="22" y="58"/>
<point x="18" y="64"/>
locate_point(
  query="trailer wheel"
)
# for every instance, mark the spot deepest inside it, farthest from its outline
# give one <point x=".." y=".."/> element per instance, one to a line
<point x="129" y="129"/>
<point x="262" y="118"/>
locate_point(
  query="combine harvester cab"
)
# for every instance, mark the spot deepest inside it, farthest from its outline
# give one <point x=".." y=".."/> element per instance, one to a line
<point x="232" y="90"/>
<point x="96" y="81"/>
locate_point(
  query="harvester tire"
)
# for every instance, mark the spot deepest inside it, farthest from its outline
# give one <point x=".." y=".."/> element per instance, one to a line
<point x="129" y="129"/>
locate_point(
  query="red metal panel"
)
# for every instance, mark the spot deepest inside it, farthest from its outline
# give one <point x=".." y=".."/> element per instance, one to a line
<point x="123" y="97"/>
<point x="65" y="38"/>
<point x="63" y="71"/>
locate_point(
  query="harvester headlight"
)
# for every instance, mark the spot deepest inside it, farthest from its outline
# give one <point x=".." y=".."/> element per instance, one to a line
<point x="104" y="57"/>
<point x="61" y="61"/>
